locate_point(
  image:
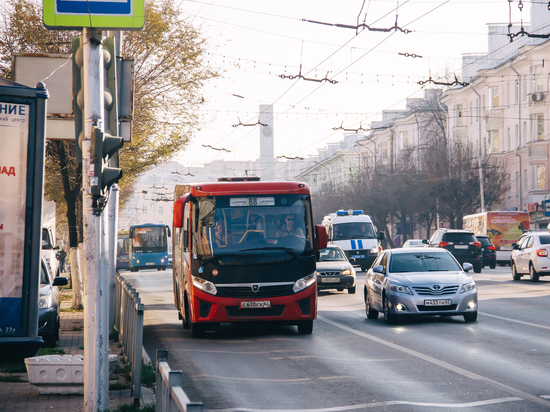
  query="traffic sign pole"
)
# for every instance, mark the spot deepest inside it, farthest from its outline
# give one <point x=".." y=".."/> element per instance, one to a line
<point x="96" y="299"/>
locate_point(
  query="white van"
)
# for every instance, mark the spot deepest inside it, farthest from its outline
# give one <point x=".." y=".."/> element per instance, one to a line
<point x="355" y="233"/>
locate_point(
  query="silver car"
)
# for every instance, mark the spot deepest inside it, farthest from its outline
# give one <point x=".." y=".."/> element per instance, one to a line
<point x="530" y="256"/>
<point x="419" y="282"/>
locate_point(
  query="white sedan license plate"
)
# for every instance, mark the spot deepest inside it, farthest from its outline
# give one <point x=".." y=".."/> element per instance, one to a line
<point x="256" y="304"/>
<point x="440" y="302"/>
<point x="461" y="246"/>
<point x="330" y="280"/>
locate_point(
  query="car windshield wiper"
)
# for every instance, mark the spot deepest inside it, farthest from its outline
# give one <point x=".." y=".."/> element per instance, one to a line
<point x="285" y="249"/>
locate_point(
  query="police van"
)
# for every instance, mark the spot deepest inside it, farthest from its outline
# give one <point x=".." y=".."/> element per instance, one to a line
<point x="355" y="233"/>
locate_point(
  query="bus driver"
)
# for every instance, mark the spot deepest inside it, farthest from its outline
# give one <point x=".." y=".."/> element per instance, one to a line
<point x="288" y="228"/>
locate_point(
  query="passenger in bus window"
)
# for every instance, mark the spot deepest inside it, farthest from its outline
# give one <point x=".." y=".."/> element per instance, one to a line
<point x="257" y="222"/>
<point x="289" y="229"/>
<point x="218" y="234"/>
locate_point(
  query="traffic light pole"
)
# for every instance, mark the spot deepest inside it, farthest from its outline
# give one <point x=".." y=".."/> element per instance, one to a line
<point x="96" y="298"/>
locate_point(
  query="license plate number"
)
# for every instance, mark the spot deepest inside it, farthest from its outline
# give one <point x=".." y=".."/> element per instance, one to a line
<point x="440" y="302"/>
<point x="461" y="246"/>
<point x="150" y="263"/>
<point x="330" y="280"/>
<point x="358" y="256"/>
<point x="256" y="304"/>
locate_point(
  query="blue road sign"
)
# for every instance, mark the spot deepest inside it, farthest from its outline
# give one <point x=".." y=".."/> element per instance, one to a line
<point x="101" y="14"/>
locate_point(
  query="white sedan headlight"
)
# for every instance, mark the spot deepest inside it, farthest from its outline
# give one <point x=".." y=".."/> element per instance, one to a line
<point x="399" y="288"/>
<point x="304" y="282"/>
<point x="467" y="287"/>
<point x="204" y="285"/>
<point x="45" y="302"/>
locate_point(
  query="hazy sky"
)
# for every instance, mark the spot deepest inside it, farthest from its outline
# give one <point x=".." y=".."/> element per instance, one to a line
<point x="254" y="42"/>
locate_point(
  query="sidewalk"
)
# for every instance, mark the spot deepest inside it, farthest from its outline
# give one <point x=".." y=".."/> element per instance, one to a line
<point x="23" y="397"/>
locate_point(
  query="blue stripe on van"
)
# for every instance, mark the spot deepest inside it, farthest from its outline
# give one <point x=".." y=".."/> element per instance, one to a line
<point x="360" y="243"/>
<point x="353" y="246"/>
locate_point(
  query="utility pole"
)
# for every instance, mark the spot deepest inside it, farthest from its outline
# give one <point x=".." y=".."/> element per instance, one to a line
<point x="96" y="304"/>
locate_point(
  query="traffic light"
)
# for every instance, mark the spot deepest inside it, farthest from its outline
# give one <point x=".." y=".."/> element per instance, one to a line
<point x="103" y="147"/>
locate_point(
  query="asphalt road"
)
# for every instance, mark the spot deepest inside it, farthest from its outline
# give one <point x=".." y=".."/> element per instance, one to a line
<point x="349" y="363"/>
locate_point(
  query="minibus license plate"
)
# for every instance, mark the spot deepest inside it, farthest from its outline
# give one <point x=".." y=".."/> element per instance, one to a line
<point x="256" y="304"/>
<point x="440" y="302"/>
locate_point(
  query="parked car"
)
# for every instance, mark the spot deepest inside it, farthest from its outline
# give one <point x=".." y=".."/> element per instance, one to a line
<point x="462" y="244"/>
<point x="334" y="270"/>
<point x="489" y="251"/>
<point x="48" y="305"/>
<point x="419" y="282"/>
<point x="530" y="256"/>
<point x="414" y="243"/>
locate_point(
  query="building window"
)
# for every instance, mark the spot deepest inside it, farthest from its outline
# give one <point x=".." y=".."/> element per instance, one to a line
<point x="493" y="140"/>
<point x="508" y="94"/>
<point x="471" y="114"/>
<point x="517" y="183"/>
<point x="516" y="93"/>
<point x="493" y="97"/>
<point x="161" y="210"/>
<point x="525" y="179"/>
<point x="539" y="79"/>
<point x="508" y="141"/>
<point x="459" y="111"/>
<point x="144" y="210"/>
<point x="539" y="177"/>
<point x="517" y="136"/>
<point x="540" y="126"/>
<point x="477" y="110"/>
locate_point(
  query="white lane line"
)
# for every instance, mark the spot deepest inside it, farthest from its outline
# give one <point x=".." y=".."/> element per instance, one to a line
<point x="515" y="321"/>
<point x="445" y="365"/>
<point x="375" y="405"/>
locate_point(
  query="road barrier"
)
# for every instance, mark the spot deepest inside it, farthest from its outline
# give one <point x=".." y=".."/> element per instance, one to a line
<point x="129" y="325"/>
<point x="170" y="394"/>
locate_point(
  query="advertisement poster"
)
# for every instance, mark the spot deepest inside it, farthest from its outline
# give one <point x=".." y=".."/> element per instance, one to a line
<point x="506" y="228"/>
<point x="14" y="135"/>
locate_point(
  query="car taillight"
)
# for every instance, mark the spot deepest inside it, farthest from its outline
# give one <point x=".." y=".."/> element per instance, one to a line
<point x="476" y="243"/>
<point x="492" y="247"/>
<point x="443" y="243"/>
<point x="542" y="252"/>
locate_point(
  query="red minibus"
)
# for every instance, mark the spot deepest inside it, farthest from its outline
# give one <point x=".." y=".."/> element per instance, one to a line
<point x="245" y="251"/>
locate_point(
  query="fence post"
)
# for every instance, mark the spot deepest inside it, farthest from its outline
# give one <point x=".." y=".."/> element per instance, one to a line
<point x="138" y="353"/>
<point x="162" y="356"/>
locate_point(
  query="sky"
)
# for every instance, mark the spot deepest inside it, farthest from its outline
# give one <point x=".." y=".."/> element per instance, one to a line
<point x="255" y="42"/>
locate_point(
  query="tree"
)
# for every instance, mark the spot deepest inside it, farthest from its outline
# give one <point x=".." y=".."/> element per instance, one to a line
<point x="169" y="74"/>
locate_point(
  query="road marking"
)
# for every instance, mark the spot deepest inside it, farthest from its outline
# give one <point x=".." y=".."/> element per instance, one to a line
<point x="376" y="405"/>
<point x="435" y="361"/>
<point x="232" y="378"/>
<point x="515" y="321"/>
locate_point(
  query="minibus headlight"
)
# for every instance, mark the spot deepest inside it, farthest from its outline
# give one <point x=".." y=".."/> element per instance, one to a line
<point x="204" y="285"/>
<point x="304" y="282"/>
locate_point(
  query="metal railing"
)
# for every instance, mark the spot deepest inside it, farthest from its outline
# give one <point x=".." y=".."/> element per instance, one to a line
<point x="170" y="396"/>
<point x="129" y="325"/>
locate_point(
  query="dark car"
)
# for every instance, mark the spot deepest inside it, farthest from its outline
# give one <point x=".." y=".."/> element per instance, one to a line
<point x="48" y="305"/>
<point x="489" y="251"/>
<point x="334" y="270"/>
<point x="462" y="244"/>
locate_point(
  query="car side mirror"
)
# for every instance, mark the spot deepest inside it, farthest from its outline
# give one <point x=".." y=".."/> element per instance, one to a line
<point x="467" y="266"/>
<point x="60" y="281"/>
<point x="378" y="269"/>
<point x="381" y="236"/>
<point x="425" y="241"/>
<point x="515" y="246"/>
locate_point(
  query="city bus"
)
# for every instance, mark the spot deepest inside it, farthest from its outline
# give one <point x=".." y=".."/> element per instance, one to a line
<point x="122" y="250"/>
<point x="148" y="246"/>
<point x="245" y="251"/>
